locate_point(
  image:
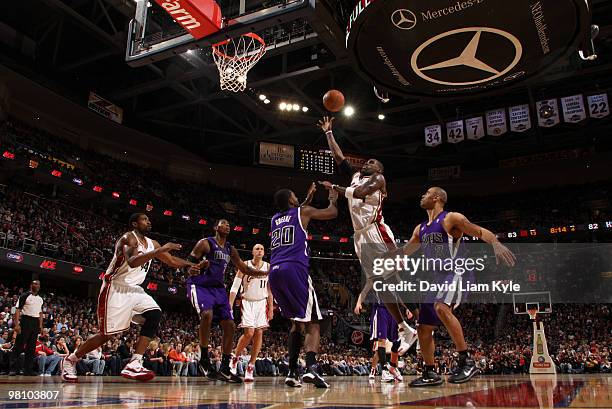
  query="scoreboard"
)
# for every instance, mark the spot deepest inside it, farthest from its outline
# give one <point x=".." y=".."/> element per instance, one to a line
<point x="316" y="160"/>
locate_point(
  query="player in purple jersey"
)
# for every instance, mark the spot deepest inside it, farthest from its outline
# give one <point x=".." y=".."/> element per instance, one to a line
<point x="206" y="290"/>
<point x="435" y="234"/>
<point x="290" y="283"/>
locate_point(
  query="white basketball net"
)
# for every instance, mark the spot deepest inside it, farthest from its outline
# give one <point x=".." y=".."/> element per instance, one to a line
<point x="235" y="57"/>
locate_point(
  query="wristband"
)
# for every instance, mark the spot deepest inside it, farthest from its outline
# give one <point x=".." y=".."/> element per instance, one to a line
<point x="329" y="132"/>
<point x="349" y="192"/>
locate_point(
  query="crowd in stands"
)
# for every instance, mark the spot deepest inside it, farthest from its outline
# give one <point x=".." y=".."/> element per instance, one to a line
<point x="579" y="338"/>
<point x="85" y="231"/>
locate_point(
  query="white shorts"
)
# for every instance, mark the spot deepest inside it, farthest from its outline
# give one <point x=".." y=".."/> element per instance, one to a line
<point x="371" y="242"/>
<point x="254" y="314"/>
<point x="120" y="305"/>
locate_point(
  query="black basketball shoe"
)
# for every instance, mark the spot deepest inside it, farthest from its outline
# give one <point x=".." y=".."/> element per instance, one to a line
<point x="429" y="378"/>
<point x="464" y="373"/>
<point x="226" y="375"/>
<point x="311" y="376"/>
<point x="293" y="380"/>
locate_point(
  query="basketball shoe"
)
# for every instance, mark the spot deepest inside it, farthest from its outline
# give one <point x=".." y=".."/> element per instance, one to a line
<point x="407" y="336"/>
<point x="395" y="372"/>
<point x="386" y="376"/>
<point x="69" y="372"/>
<point x="372" y="373"/>
<point x="429" y="378"/>
<point x="248" y="374"/>
<point x="464" y="373"/>
<point x="293" y="380"/>
<point x="311" y="376"/>
<point x="135" y="370"/>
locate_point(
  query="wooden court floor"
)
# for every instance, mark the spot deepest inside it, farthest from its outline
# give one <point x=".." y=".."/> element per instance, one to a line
<point x="561" y="391"/>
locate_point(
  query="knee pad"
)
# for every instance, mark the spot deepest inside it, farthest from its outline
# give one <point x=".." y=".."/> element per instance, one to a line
<point x="152" y="319"/>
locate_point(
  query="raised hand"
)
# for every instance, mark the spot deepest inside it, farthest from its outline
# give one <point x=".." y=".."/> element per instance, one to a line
<point x="326" y="123"/>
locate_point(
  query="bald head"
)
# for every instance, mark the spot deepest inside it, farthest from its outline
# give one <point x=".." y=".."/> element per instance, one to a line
<point x="371" y="167"/>
<point x="434" y="196"/>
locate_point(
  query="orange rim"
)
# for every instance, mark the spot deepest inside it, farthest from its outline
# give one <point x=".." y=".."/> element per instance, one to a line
<point x="254" y="36"/>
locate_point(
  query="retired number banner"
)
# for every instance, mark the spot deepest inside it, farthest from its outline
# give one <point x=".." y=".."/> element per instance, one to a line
<point x="474" y="128"/>
<point x="454" y="132"/>
<point x="433" y="135"/>
<point x="598" y="106"/>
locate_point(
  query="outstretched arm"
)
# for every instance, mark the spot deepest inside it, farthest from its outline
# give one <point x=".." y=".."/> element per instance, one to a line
<point x="309" y="194"/>
<point x="372" y="185"/>
<point x="326" y="125"/>
<point x="413" y="245"/>
<point x="129" y="246"/>
<point x="331" y="212"/>
<point x="168" y="259"/>
<point x="459" y="222"/>
<point x="241" y="265"/>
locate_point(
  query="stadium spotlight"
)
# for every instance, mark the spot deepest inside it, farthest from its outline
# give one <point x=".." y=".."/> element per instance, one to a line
<point x="266" y="101"/>
<point x="381" y="116"/>
<point x="349" y="111"/>
<point x="304" y="109"/>
<point x="282" y="106"/>
<point x="262" y="97"/>
<point x="296" y="107"/>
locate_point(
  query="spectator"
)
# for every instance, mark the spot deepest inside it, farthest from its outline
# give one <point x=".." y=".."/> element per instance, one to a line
<point x="94" y="362"/>
<point x="46" y="359"/>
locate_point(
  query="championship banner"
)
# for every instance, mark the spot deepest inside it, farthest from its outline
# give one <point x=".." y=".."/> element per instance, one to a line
<point x="454" y="132"/>
<point x="106" y="109"/>
<point x="520" y="121"/>
<point x="474" y="128"/>
<point x="598" y="106"/>
<point x="276" y="154"/>
<point x="548" y="113"/>
<point x="433" y="135"/>
<point x="573" y="109"/>
<point x="496" y="122"/>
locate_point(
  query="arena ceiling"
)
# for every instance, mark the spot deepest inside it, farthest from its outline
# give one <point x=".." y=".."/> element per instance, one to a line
<point x="77" y="46"/>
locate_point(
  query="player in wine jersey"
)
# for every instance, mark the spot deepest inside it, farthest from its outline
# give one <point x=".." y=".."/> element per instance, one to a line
<point x="207" y="293"/>
<point x="372" y="236"/>
<point x="439" y="237"/>
<point x="290" y="282"/>
<point x="122" y="300"/>
<point x="257" y="308"/>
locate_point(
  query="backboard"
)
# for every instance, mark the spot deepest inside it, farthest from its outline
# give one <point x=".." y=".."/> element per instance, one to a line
<point x="522" y="302"/>
<point x="153" y="35"/>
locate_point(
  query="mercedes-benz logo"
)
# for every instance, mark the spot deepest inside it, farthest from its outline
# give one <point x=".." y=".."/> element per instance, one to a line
<point x="467" y="57"/>
<point x="403" y="19"/>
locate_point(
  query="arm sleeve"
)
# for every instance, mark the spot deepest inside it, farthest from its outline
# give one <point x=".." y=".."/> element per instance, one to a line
<point x="345" y="168"/>
<point x="22" y="300"/>
<point x="236" y="285"/>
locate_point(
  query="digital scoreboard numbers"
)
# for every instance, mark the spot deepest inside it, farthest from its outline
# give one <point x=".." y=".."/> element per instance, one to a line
<point x="316" y="160"/>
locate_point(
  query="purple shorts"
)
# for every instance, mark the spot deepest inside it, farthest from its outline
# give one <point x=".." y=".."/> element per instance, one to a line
<point x="382" y="324"/>
<point x="210" y="298"/>
<point x="292" y="289"/>
<point x="452" y="297"/>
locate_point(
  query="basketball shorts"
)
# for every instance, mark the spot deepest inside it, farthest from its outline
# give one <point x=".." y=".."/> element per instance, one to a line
<point x="382" y="324"/>
<point x="452" y="297"/>
<point x="119" y="305"/>
<point x="254" y="314"/>
<point x="372" y="242"/>
<point x="292" y="289"/>
<point x="210" y="298"/>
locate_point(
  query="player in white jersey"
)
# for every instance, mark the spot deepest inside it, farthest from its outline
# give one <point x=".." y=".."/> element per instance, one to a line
<point x="372" y="236"/>
<point x="257" y="308"/>
<point x="122" y="300"/>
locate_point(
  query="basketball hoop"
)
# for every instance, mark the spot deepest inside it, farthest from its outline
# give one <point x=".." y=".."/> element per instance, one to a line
<point x="235" y="57"/>
<point x="533" y="313"/>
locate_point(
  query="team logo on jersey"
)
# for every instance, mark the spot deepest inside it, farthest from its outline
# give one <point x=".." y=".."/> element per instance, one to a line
<point x="403" y="19"/>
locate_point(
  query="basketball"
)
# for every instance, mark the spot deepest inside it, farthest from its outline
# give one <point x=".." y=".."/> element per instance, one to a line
<point x="333" y="100"/>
